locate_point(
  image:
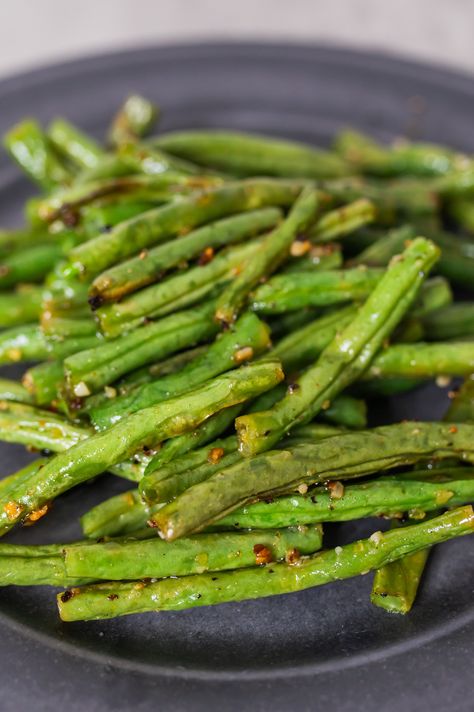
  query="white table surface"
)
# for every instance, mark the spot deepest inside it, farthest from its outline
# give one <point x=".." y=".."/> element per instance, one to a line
<point x="36" y="32"/>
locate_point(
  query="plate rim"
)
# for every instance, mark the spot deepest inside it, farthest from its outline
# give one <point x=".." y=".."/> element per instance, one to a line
<point x="385" y="60"/>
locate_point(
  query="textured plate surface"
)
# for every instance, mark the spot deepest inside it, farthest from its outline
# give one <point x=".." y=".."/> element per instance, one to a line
<point x="320" y="648"/>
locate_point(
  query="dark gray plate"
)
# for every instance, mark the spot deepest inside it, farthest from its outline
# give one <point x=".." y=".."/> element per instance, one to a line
<point x="320" y="648"/>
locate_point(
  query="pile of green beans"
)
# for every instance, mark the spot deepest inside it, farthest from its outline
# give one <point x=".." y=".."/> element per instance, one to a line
<point x="210" y="316"/>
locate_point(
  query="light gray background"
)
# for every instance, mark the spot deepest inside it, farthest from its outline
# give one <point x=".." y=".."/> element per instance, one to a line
<point x="35" y="32"/>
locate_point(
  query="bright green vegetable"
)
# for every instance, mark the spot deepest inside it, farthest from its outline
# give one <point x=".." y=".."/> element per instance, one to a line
<point x="144" y="429"/>
<point x="29" y="266"/>
<point x="342" y="221"/>
<point x="395" y="201"/>
<point x="134" y="119"/>
<point x="396" y="584"/>
<point x="318" y="258"/>
<point x="205" y="433"/>
<point x="150" y="267"/>
<point x="248" y="155"/>
<point x="109" y="600"/>
<point x="30" y="568"/>
<point x="161" y="188"/>
<point x="339" y="457"/>
<point x="41" y="429"/>
<point x="75" y="145"/>
<point x="388" y="496"/>
<point x="462" y="406"/>
<point x="449" y="322"/>
<point x="127" y="512"/>
<point x="271" y="253"/>
<point x="423" y="361"/>
<point x="90" y="370"/>
<point x="160" y="224"/>
<point x="249" y="338"/>
<point x="156" y="558"/>
<point x="14" y="391"/>
<point x="402" y="158"/>
<point x="22" y="306"/>
<point x="347" y="356"/>
<point x="22" y="343"/>
<point x="297" y="290"/>
<point x="176" y="292"/>
<point x="31" y="149"/>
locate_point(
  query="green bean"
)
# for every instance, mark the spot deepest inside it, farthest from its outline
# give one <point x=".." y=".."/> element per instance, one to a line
<point x="340" y="457"/>
<point x="30" y="148"/>
<point x="271" y="253"/>
<point x="60" y="327"/>
<point x="249" y="155"/>
<point x="146" y="158"/>
<point x="249" y="338"/>
<point x="302" y="290"/>
<point x="88" y="371"/>
<point x="46" y="570"/>
<point x="136" y="159"/>
<point x="462" y="404"/>
<point x="380" y="251"/>
<point x="290" y="292"/>
<point x="118" y="515"/>
<point x="14" y="391"/>
<point x="156" y="188"/>
<point x="455" y="262"/>
<point x="423" y="361"/>
<point x="64" y="295"/>
<point x="462" y="211"/>
<point x="434" y="294"/>
<point x="459" y="182"/>
<point x="61" y="349"/>
<point x="347" y="411"/>
<point x="342" y="221"/>
<point x="348" y="355"/>
<point x="160" y="224"/>
<point x="100" y="217"/>
<point x="205" y="433"/>
<point x="24" y="238"/>
<point x="75" y="145"/>
<point x="134" y="119"/>
<point x="387" y="496"/>
<point x="396" y="584"/>
<point x="449" y="322"/>
<point x="128" y="512"/>
<point x="395" y="200"/>
<point x="112" y="599"/>
<point x="22" y="343"/>
<point x="38" y="428"/>
<point x="184" y="473"/>
<point x="402" y="158"/>
<point x="21" y="475"/>
<point x="50" y="432"/>
<point x="195" y="555"/>
<point x="44" y="565"/>
<point x="382" y="497"/>
<point x="22" y="306"/>
<point x="176" y="292"/>
<point x="319" y="257"/>
<point x="45" y="382"/>
<point x="29" y="266"/>
<point x="146" y="374"/>
<point x="144" y="429"/>
<point x="140" y="271"/>
<point x="283" y="324"/>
